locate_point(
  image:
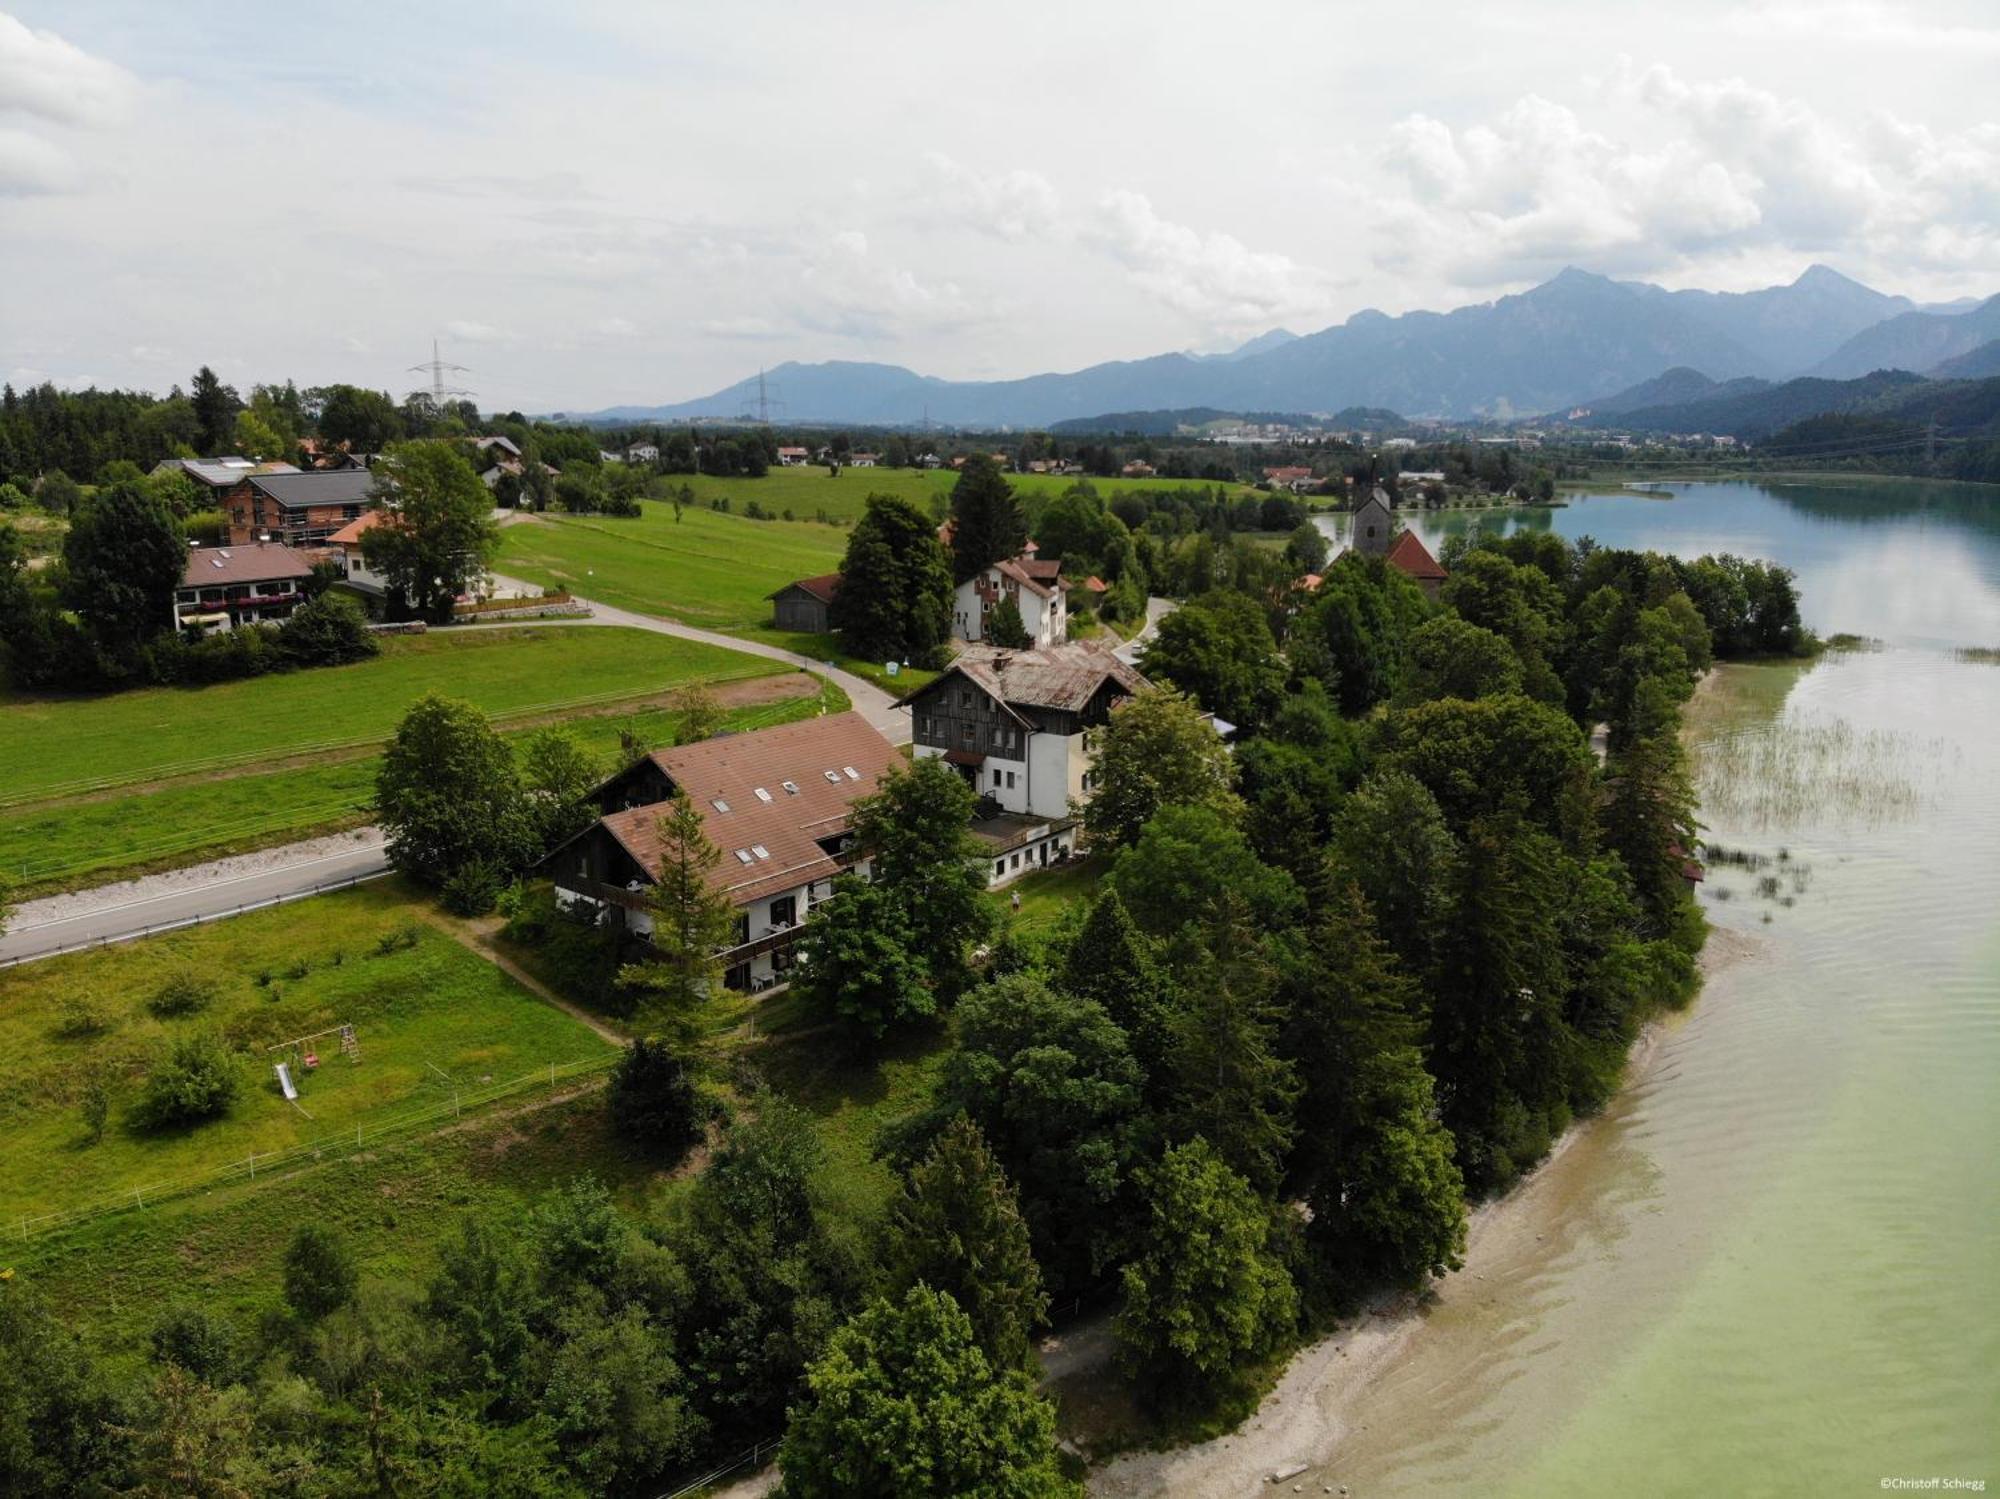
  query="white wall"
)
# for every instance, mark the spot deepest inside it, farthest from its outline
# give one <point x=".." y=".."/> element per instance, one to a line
<point x="1056" y="765"/>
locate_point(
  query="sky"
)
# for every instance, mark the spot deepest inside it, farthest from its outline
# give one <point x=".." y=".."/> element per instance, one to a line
<point x="598" y="203"/>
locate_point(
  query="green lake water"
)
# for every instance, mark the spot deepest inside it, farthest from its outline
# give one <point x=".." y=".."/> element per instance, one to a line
<point x="1772" y="1267"/>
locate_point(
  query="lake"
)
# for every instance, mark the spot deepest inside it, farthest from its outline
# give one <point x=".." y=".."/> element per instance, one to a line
<point x="1772" y="1267"/>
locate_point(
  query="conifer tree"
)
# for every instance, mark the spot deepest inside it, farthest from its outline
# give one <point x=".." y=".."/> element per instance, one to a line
<point x="987" y="525"/>
<point x="692" y="921"/>
<point x="956" y="1226"/>
<point x="1113" y="962"/>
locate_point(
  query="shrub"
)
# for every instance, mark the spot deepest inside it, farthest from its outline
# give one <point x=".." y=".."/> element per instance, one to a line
<point x="327" y="631"/>
<point x="184" y="993"/>
<point x="96" y="1109"/>
<point x="472" y="888"/>
<point x="401" y="939"/>
<point x="319" y="1272"/>
<point x="193" y="1338"/>
<point x="195" y="1079"/>
<point x="653" y="1099"/>
<point x="78" y="1018"/>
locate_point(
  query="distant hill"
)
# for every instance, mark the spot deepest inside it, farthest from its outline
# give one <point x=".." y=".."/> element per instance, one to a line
<point x="1959" y="408"/>
<point x="1917" y="341"/>
<point x="1166" y="423"/>
<point x="1982" y="363"/>
<point x="1550" y="348"/>
<point x="1677" y="387"/>
<point x="1749" y="414"/>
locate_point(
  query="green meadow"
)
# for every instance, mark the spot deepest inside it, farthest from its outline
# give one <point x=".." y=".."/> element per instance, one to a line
<point x="57" y="747"/>
<point x="432" y="1018"/>
<point x="88" y="840"/>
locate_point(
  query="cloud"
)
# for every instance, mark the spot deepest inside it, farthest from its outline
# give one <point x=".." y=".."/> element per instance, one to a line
<point x="616" y="327"/>
<point x="30" y="165"/>
<point x="46" y="77"/>
<point x="1669" y="175"/>
<point x="1860" y="24"/>
<point x="841" y="287"/>
<point x="1012" y="206"/>
<point x="467" y="332"/>
<point x="1211" y="277"/>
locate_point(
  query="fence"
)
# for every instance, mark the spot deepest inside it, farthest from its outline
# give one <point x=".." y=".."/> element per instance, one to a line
<point x="185" y="921"/>
<point x="334" y="1146"/>
<point x="753" y="1459"/>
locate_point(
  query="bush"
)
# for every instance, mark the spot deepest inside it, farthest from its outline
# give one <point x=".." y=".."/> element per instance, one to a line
<point x="195" y="1079"/>
<point x="319" y="1272"/>
<point x="401" y="939"/>
<point x="193" y="1338"/>
<point x="78" y="1018"/>
<point x="184" y="993"/>
<point x="653" y="1100"/>
<point x="326" y="631"/>
<point x="578" y="956"/>
<point x="473" y="888"/>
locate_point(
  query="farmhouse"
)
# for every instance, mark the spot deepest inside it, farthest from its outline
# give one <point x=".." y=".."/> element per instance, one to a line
<point x="1036" y="586"/>
<point x="346" y="545"/>
<point x="803" y="605"/>
<point x="864" y="460"/>
<point x="297" y="509"/>
<point x="1020" y="727"/>
<point x="223" y="587"/>
<point x="642" y="452"/>
<point x="1138" y="468"/>
<point x="778" y="803"/>
<point x="793" y="457"/>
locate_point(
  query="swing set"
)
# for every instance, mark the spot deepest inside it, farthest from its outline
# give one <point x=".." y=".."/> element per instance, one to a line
<point x="304" y="1052"/>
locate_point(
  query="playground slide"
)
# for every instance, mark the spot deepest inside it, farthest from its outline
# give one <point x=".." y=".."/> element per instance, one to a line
<point x="285" y="1082"/>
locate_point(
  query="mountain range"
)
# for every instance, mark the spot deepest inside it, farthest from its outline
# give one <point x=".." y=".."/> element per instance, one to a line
<point x="1557" y="346"/>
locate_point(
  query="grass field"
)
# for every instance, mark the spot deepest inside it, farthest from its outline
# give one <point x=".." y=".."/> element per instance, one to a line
<point x="809" y="492"/>
<point x="1046" y="893"/>
<point x="705" y="569"/>
<point x="51" y="845"/>
<point x="429" y="1016"/>
<point x="58" y="747"/>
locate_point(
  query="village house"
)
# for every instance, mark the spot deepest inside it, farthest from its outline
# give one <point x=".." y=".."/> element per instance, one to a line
<point x="220" y="475"/>
<point x="498" y="447"/>
<point x="345" y="545"/>
<point x="793" y="457"/>
<point x="863" y="460"/>
<point x="642" y="452"/>
<point x="804" y="605"/>
<point x="1037" y="588"/>
<point x="223" y="587"/>
<point x="1408" y="555"/>
<point x="294" y="508"/>
<point x="1020" y="727"/>
<point x="779" y="805"/>
<point x="1291" y="476"/>
<point x="1138" y="468"/>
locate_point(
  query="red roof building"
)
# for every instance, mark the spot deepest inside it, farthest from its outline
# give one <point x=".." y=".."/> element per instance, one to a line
<point x="1413" y="559"/>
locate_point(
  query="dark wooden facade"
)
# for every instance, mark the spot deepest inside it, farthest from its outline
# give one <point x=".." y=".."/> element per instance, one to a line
<point x="954" y="713"/>
<point x="796" y="608"/>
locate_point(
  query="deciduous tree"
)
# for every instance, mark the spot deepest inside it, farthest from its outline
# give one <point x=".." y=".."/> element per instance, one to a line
<point x="1158" y="751"/>
<point x="447" y="794"/>
<point x="438" y="535"/>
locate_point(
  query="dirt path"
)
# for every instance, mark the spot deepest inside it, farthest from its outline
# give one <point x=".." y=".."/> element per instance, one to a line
<point x="477" y="936"/>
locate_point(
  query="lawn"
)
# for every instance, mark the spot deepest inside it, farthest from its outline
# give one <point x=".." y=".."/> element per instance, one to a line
<point x="56" y="747"/>
<point x="432" y="1019"/>
<point x="705" y="569"/>
<point x="1046" y="893"/>
<point x="56" y="844"/>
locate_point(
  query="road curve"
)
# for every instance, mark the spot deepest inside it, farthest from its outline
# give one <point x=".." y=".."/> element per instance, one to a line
<point x="204" y="892"/>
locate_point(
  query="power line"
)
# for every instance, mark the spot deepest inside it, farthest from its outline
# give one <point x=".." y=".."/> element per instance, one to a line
<point x="437" y="368"/>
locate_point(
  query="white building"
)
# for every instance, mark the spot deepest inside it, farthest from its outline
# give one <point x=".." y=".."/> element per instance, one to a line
<point x="1037" y="589"/>
<point x="1021" y="727"/>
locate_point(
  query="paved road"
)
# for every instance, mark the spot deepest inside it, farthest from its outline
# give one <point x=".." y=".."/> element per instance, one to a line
<point x="1157" y="609"/>
<point x="182" y="897"/>
<point x="206" y="891"/>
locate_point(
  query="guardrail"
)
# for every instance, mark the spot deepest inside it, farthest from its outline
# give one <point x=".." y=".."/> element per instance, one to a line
<point x="333" y="1146"/>
<point x="186" y="921"/>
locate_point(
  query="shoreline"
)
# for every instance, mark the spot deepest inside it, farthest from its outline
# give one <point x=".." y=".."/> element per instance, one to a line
<point x="1312" y="1408"/>
<point x="1300" y="1425"/>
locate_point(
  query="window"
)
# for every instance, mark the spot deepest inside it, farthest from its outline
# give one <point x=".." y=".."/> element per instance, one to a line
<point x="850" y="772"/>
<point x="760" y="851"/>
<point x="763" y="795"/>
<point x="1017" y="861"/>
<point x="791" y="788"/>
<point x="1010" y="780"/>
<point x="785" y="910"/>
<point x="743" y="856"/>
<point x="999" y="868"/>
<point x="737" y="978"/>
<point x="996" y="776"/>
<point x="719" y="804"/>
<point x="832" y="776"/>
<point x="965" y="732"/>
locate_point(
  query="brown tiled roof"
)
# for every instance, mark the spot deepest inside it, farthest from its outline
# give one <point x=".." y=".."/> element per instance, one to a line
<point x="731" y="769"/>
<point x="1018" y="572"/>
<point x="1063" y="676"/>
<point x="350" y="534"/>
<point x="1411" y="556"/>
<point x="823" y="587"/>
<point x="260" y="562"/>
<point x="1045" y="569"/>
